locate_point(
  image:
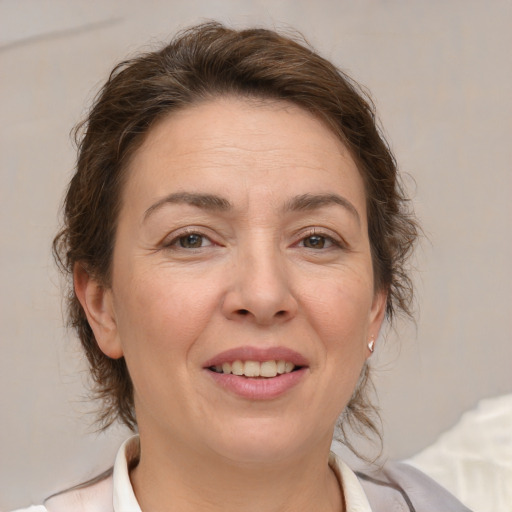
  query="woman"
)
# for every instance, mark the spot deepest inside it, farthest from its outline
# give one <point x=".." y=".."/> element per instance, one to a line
<point x="236" y="233"/>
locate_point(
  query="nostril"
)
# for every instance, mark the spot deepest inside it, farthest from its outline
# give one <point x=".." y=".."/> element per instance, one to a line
<point x="281" y="313"/>
<point x="243" y="312"/>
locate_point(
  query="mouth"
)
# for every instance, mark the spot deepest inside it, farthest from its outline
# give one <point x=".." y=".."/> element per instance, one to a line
<point x="256" y="373"/>
<point x="256" y="369"/>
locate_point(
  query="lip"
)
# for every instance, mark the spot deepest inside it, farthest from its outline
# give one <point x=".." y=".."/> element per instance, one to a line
<point x="257" y="354"/>
<point x="258" y="388"/>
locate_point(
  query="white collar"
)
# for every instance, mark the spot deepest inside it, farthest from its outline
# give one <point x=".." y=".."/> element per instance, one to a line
<point x="124" y="497"/>
<point x="125" y="500"/>
<point x="355" y="497"/>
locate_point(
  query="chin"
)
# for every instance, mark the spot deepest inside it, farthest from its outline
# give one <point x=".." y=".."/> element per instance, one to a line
<point x="261" y="441"/>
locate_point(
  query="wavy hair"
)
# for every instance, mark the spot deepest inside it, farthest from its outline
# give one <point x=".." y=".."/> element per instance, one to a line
<point x="201" y="63"/>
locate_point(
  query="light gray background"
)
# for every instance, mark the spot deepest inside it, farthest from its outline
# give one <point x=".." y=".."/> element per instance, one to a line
<point x="441" y="75"/>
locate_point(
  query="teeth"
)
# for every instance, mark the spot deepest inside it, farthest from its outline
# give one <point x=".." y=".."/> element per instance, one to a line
<point x="252" y="369"/>
<point x="268" y="369"/>
<point x="255" y="369"/>
<point x="237" y="368"/>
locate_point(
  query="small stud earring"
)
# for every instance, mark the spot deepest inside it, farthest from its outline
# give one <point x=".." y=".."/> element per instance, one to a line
<point x="371" y="344"/>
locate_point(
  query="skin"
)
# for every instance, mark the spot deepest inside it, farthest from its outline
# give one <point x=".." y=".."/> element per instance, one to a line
<point x="262" y="275"/>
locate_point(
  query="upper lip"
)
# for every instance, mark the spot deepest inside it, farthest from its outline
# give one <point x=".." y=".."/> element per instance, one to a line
<point x="249" y="353"/>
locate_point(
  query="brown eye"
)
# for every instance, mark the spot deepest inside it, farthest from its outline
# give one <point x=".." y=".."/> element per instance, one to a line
<point x="191" y="241"/>
<point x="315" y="242"/>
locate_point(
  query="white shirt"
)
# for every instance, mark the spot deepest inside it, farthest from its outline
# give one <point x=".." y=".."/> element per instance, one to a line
<point x="473" y="459"/>
<point x="115" y="493"/>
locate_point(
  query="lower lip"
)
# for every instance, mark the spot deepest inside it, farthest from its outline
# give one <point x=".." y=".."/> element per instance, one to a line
<point x="258" y="388"/>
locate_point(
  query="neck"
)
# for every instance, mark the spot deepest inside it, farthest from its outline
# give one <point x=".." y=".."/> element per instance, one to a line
<point x="170" y="480"/>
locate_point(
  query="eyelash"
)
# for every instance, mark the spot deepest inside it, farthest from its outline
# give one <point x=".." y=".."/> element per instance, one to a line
<point x="328" y="238"/>
<point x="174" y="243"/>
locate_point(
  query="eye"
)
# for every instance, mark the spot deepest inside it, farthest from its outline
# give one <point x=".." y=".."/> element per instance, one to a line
<point x="190" y="241"/>
<point x="316" y="241"/>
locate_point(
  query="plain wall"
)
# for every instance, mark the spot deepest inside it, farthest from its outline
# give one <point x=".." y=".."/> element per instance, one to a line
<point x="441" y="75"/>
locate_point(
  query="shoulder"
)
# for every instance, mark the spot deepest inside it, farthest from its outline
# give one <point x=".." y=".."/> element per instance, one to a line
<point x="93" y="496"/>
<point x="97" y="494"/>
<point x="33" y="508"/>
<point x="399" y="486"/>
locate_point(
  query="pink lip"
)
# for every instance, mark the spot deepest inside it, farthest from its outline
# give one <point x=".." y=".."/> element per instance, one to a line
<point x="259" y="388"/>
<point x="257" y="354"/>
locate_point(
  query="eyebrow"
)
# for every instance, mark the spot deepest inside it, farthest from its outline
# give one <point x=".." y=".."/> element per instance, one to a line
<point x="211" y="202"/>
<point x="309" y="202"/>
<point x="203" y="201"/>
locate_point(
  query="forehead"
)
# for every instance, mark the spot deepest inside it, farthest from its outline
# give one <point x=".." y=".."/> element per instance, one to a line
<point x="250" y="124"/>
<point x="235" y="144"/>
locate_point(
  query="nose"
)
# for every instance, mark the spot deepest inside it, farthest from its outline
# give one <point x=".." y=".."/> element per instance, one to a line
<point x="260" y="290"/>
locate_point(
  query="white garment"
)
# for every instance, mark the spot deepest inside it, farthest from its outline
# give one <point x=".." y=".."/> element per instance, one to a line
<point x="115" y="493"/>
<point x="473" y="459"/>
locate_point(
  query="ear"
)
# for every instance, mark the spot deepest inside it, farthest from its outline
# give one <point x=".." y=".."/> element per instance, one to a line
<point x="97" y="302"/>
<point x="377" y="313"/>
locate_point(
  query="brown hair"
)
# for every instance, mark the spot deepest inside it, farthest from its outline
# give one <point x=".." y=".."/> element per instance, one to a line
<point x="203" y="62"/>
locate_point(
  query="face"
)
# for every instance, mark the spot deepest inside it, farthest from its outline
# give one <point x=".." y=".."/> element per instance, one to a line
<point x="242" y="291"/>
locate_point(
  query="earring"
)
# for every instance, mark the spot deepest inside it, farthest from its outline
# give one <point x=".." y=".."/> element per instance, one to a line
<point x="371" y="344"/>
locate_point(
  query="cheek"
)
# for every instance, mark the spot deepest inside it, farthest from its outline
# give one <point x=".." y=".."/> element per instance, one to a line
<point x="340" y="322"/>
<point x="340" y="310"/>
<point x="159" y="322"/>
<point x="163" y="313"/>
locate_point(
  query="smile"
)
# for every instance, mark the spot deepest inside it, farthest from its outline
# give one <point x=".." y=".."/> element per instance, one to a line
<point x="265" y="369"/>
<point x="256" y="373"/>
